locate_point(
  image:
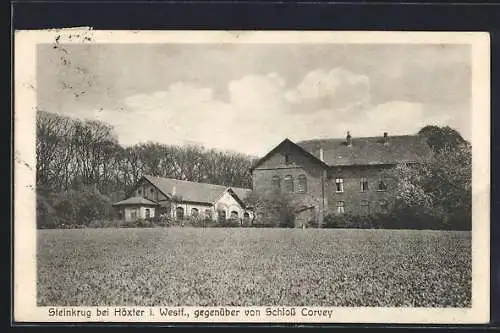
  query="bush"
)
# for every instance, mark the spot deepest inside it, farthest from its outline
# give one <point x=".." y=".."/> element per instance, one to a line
<point x="106" y="224"/>
<point x="349" y="221"/>
<point x="228" y="223"/>
<point x="82" y="206"/>
<point x="46" y="215"/>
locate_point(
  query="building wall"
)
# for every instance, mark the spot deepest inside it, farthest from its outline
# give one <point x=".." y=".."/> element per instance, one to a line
<point x="298" y="164"/>
<point x="146" y="190"/>
<point x="187" y="207"/>
<point x="140" y="212"/>
<point x="352" y="196"/>
<point x="321" y="184"/>
<point x="228" y="204"/>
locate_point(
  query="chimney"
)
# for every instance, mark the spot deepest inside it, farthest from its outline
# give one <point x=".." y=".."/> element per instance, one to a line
<point x="321" y="153"/>
<point x="348" y="139"/>
<point x="173" y="190"/>
<point x="386" y="138"/>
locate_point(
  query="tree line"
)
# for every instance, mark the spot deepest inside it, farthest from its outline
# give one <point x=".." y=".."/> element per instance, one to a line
<point x="78" y="157"/>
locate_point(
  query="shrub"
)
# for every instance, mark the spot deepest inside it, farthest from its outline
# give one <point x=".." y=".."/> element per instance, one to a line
<point x="82" y="206"/>
<point x="228" y="223"/>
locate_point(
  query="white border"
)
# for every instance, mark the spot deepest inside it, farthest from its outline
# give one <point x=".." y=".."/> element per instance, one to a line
<point x="25" y="308"/>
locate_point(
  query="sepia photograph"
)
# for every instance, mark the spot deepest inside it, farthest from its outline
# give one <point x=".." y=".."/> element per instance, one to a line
<point x="252" y="176"/>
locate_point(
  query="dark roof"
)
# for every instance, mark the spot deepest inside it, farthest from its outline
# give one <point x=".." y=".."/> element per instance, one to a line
<point x="292" y="144"/>
<point x="369" y="150"/>
<point x="193" y="191"/>
<point x="135" y="201"/>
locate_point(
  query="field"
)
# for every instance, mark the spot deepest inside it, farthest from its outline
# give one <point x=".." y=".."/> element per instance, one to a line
<point x="241" y="267"/>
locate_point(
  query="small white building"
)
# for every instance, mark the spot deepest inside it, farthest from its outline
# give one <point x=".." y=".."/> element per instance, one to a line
<point x="156" y="196"/>
<point x="136" y="208"/>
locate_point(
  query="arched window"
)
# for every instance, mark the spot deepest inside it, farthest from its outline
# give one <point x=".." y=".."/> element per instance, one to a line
<point x="208" y="214"/>
<point x="276" y="182"/>
<point x="234" y="214"/>
<point x="148" y="213"/>
<point x="221" y="215"/>
<point x="179" y="213"/>
<point x="289" y="184"/>
<point x="194" y="212"/>
<point x="302" y="184"/>
<point x="246" y="216"/>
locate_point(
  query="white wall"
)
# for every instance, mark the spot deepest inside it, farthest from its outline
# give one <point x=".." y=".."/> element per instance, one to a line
<point x="140" y="211"/>
<point x="228" y="203"/>
<point x="189" y="206"/>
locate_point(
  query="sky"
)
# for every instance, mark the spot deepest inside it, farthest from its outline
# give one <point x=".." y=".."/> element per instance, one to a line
<point x="249" y="97"/>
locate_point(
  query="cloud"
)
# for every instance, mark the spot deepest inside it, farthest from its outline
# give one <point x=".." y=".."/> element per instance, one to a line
<point x="259" y="112"/>
<point x="337" y="89"/>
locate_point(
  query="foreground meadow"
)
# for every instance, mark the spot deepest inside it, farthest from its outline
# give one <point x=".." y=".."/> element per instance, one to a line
<point x="241" y="267"/>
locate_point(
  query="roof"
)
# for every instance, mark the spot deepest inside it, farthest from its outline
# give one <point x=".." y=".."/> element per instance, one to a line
<point x="369" y="150"/>
<point x="194" y="191"/>
<point x="135" y="201"/>
<point x="290" y="143"/>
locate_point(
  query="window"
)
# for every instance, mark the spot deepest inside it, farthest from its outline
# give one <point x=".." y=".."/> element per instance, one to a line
<point x="179" y="213"/>
<point x="302" y="184"/>
<point x="289" y="184"/>
<point x="208" y="214"/>
<point x="340" y="207"/>
<point x="139" y="191"/>
<point x="384" y="205"/>
<point x="221" y="215"/>
<point x="234" y="214"/>
<point x="382" y="185"/>
<point x="148" y="213"/>
<point x="151" y="191"/>
<point x="339" y="184"/>
<point x="365" y="207"/>
<point x="194" y="212"/>
<point x="287" y="159"/>
<point x="133" y="213"/>
<point x="276" y="182"/>
<point x="246" y="216"/>
<point x="364" y="184"/>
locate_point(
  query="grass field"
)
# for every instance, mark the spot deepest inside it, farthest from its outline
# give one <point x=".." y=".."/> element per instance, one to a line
<point x="241" y="267"/>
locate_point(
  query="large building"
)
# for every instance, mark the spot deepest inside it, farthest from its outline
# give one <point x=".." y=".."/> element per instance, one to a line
<point x="336" y="175"/>
<point x="155" y="196"/>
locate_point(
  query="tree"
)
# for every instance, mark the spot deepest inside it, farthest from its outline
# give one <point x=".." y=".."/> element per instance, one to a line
<point x="438" y="187"/>
<point x="440" y="137"/>
<point x="272" y="208"/>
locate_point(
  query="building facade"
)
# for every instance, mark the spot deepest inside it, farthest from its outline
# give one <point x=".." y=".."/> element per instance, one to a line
<point x="336" y="175"/>
<point x="166" y="197"/>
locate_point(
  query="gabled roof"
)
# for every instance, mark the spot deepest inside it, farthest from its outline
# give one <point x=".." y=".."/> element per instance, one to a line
<point x="194" y="191"/>
<point x="135" y="201"/>
<point x="281" y="145"/>
<point x="369" y="150"/>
